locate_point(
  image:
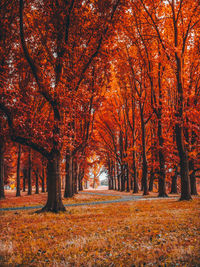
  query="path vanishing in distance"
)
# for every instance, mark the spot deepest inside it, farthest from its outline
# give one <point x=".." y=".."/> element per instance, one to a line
<point x="123" y="198"/>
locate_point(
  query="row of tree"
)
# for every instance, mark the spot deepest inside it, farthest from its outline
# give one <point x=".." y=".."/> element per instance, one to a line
<point x="27" y="168"/>
<point x="120" y="78"/>
<point x="148" y="124"/>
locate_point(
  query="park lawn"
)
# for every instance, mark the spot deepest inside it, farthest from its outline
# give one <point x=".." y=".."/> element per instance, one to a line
<point x="136" y="233"/>
<point x="40" y="199"/>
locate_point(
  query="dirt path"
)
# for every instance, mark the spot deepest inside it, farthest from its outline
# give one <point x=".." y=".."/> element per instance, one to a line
<point x="123" y="198"/>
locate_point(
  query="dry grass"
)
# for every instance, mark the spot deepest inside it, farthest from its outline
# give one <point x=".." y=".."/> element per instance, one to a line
<point x="139" y="233"/>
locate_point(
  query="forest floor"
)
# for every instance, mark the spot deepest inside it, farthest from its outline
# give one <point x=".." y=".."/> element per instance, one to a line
<point x="154" y="232"/>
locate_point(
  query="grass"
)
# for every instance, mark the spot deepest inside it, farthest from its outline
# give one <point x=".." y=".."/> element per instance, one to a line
<point x="161" y="232"/>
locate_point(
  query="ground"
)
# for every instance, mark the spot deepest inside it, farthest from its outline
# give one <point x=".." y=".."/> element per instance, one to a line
<point x="146" y="232"/>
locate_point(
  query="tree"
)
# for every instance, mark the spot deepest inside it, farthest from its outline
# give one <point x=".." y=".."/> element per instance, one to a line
<point x="18" y="171"/>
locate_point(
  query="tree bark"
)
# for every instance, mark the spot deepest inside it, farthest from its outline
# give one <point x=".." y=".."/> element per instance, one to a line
<point x="184" y="164"/>
<point x="2" y="193"/>
<point x="18" y="171"/>
<point x="36" y="182"/>
<point x="174" y="182"/>
<point x="192" y="178"/>
<point x="151" y="180"/>
<point x="43" y="186"/>
<point x="75" y="177"/>
<point x="68" y="181"/>
<point x="144" y="159"/>
<point x="24" y="179"/>
<point x="54" y="199"/>
<point x="127" y="179"/>
<point x="161" y="178"/>
<point x="122" y="176"/>
<point x="118" y="178"/>
<point x="184" y="168"/>
<point x="114" y="175"/>
<point x="135" y="181"/>
<point x="29" y="172"/>
<point x="80" y="179"/>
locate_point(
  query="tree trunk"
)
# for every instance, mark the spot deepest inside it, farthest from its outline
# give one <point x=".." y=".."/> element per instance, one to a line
<point x="24" y="179"/>
<point x="161" y="178"/>
<point x="80" y="179"/>
<point x="36" y="182"/>
<point x="144" y="178"/>
<point x="144" y="159"/>
<point x="192" y="178"/>
<point x="80" y="184"/>
<point x="193" y="184"/>
<point x="151" y="180"/>
<point x="43" y="186"/>
<point x="122" y="178"/>
<point x="118" y="179"/>
<point x="29" y="173"/>
<point x="46" y="180"/>
<point x="114" y="177"/>
<point x="174" y="182"/>
<point x="184" y="164"/>
<point x="2" y="194"/>
<point x="68" y="181"/>
<point x="184" y="168"/>
<point x="75" y="177"/>
<point x="127" y="179"/>
<point x="54" y="199"/>
<point x="18" y="171"/>
<point x="135" y="181"/>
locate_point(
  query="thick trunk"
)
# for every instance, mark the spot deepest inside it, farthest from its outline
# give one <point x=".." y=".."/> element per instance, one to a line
<point x="24" y="179"/>
<point x="118" y="178"/>
<point x="54" y="198"/>
<point x="127" y="179"/>
<point x="80" y="180"/>
<point x="109" y="183"/>
<point x="184" y="164"/>
<point x="118" y="182"/>
<point x="174" y="189"/>
<point x="192" y="178"/>
<point x="151" y="180"/>
<point x="193" y="184"/>
<point x="114" y="175"/>
<point x="75" y="177"/>
<point x="161" y="178"/>
<point x="80" y="185"/>
<point x="43" y="186"/>
<point x="2" y="194"/>
<point x="135" y="181"/>
<point x="30" y="173"/>
<point x="135" y="184"/>
<point x="144" y="178"/>
<point x="36" y="182"/>
<point x="122" y="179"/>
<point x="18" y="171"/>
<point x="110" y="178"/>
<point x="162" y="188"/>
<point x="122" y="175"/>
<point x="68" y="181"/>
<point x="184" y="168"/>
<point x="144" y="159"/>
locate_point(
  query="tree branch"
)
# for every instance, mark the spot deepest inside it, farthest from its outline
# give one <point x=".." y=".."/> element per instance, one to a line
<point x="20" y="139"/>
